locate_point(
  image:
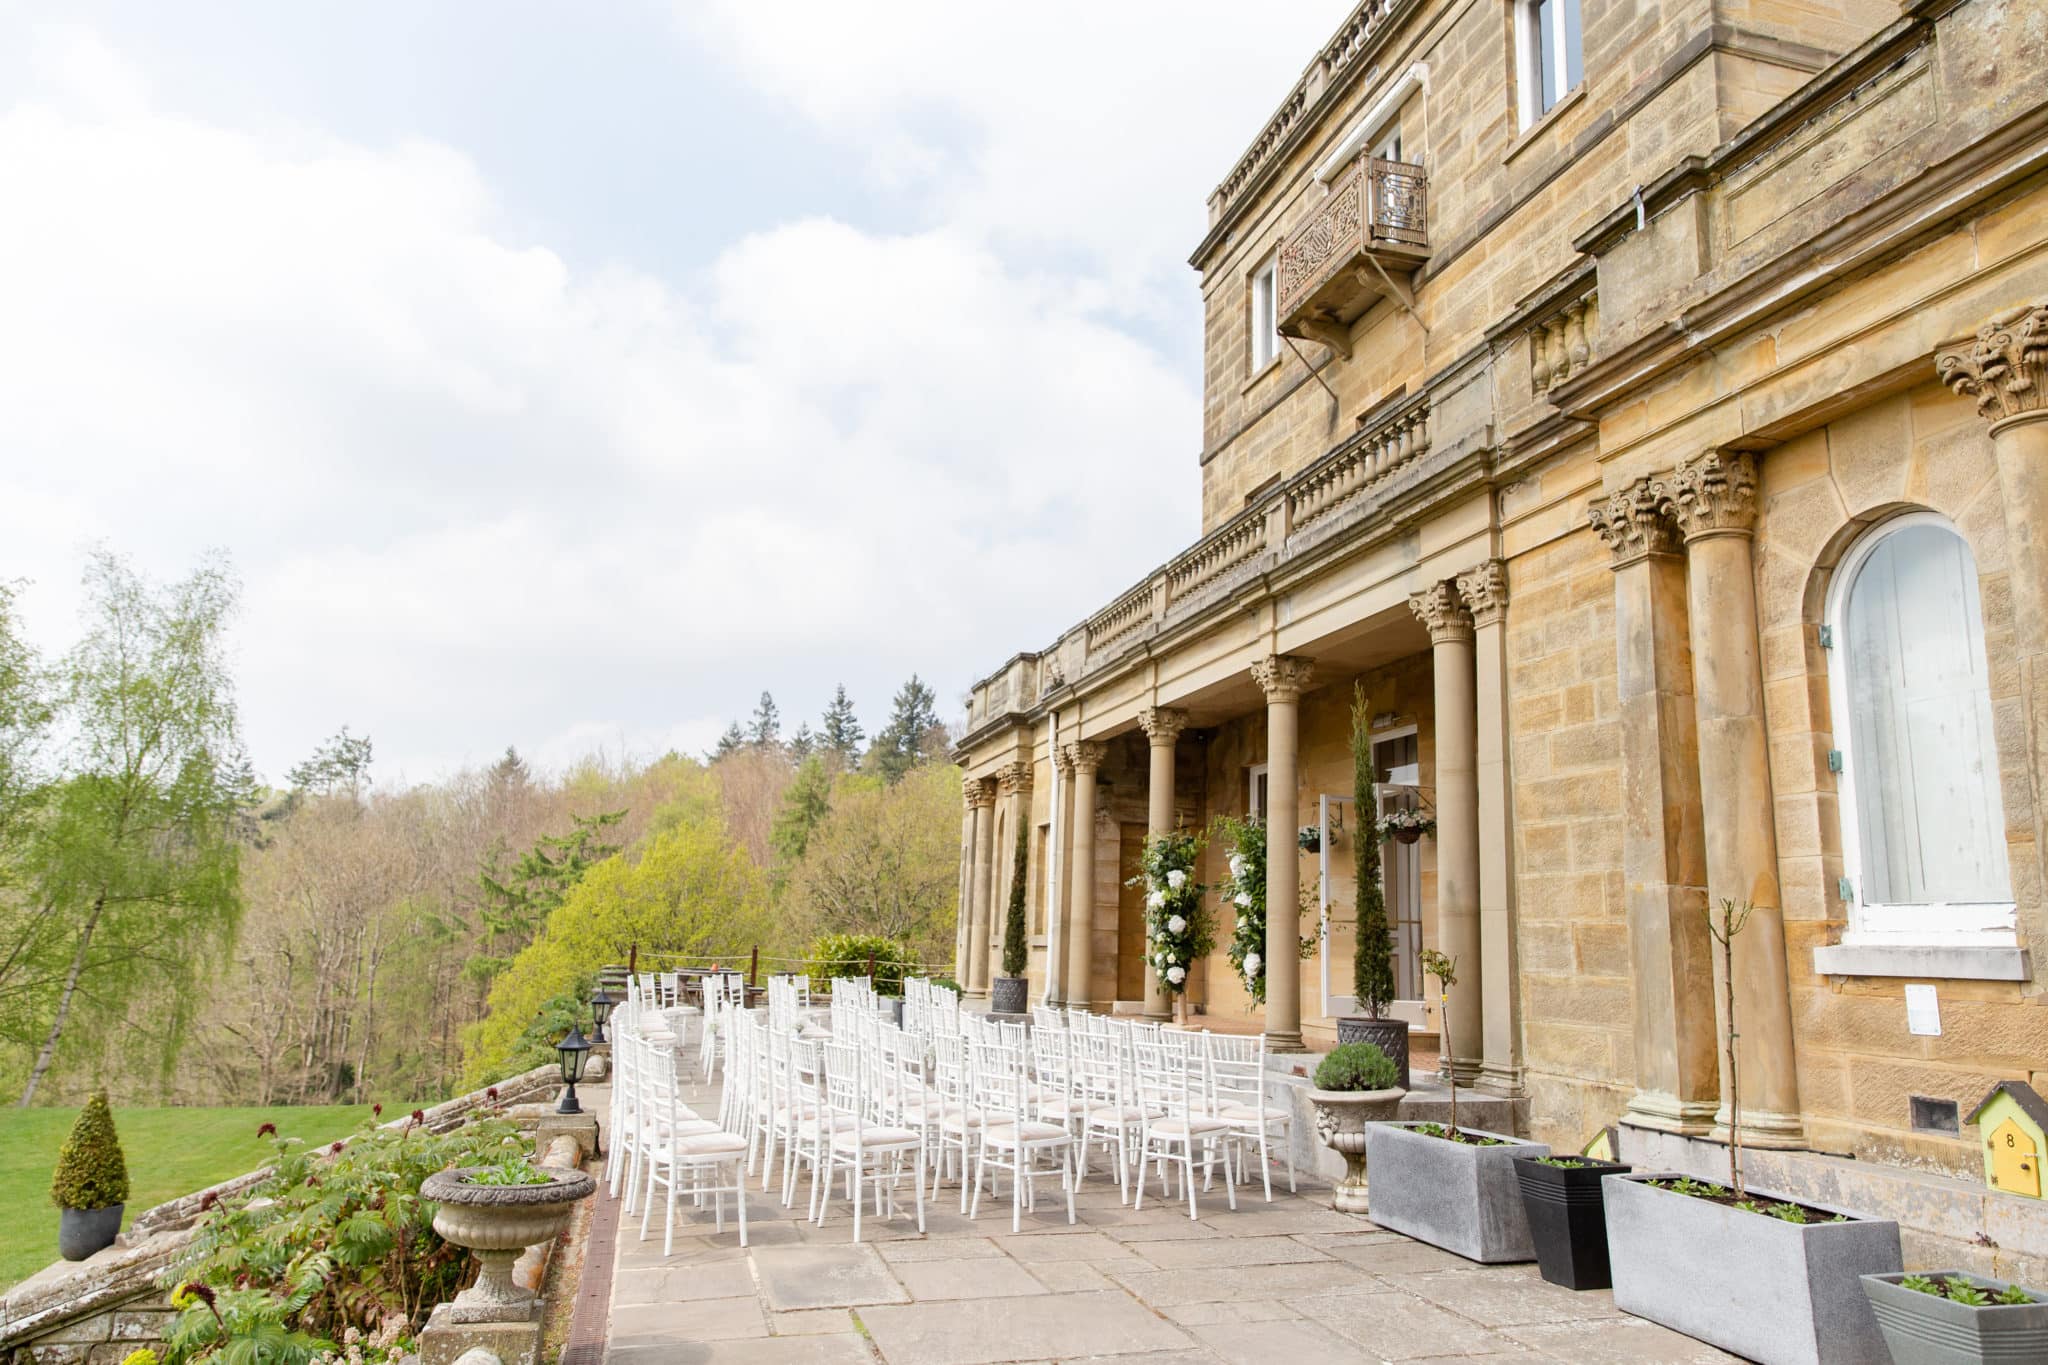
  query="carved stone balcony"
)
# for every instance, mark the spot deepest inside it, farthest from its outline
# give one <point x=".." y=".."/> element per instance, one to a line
<point x="1361" y="244"/>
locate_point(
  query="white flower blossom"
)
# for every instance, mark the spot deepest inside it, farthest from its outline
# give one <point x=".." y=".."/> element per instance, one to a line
<point x="1236" y="865"/>
<point x="1244" y="899"/>
<point x="1176" y="974"/>
<point x="1176" y="926"/>
<point x="1157" y="900"/>
<point x="1252" y="963"/>
<point x="1176" y="879"/>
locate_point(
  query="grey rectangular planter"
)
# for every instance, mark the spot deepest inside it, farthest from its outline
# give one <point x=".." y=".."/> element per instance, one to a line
<point x="1922" y="1329"/>
<point x="1462" y="1198"/>
<point x="1777" y="1292"/>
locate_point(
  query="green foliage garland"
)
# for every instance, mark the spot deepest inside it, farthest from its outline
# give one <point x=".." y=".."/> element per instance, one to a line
<point x="91" y="1172"/>
<point x="1016" y="948"/>
<point x="1372" y="959"/>
<point x="1246" y="892"/>
<point x="1177" y="933"/>
<point x="837" y="955"/>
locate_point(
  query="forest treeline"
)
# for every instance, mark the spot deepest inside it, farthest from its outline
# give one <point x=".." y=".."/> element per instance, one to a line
<point x="178" y="929"/>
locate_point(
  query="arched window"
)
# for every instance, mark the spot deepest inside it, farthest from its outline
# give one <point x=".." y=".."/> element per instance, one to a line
<point x="1923" y="826"/>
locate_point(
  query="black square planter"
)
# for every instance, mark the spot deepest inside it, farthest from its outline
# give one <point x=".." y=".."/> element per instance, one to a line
<point x="1568" y="1219"/>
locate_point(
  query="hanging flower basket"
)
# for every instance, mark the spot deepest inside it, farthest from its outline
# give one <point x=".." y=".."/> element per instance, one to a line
<point x="1406" y="826"/>
<point x="1310" y="839"/>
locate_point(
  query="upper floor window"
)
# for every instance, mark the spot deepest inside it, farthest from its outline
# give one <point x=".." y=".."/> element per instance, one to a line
<point x="1265" y="317"/>
<point x="1923" y="824"/>
<point x="1548" y="47"/>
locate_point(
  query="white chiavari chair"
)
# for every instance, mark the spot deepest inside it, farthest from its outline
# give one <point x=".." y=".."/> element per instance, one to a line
<point x="870" y="1153"/>
<point x="1169" y="1090"/>
<point x="682" y="1162"/>
<point x="1237" y="1095"/>
<point x="1010" y="1139"/>
<point x="1110" y="1112"/>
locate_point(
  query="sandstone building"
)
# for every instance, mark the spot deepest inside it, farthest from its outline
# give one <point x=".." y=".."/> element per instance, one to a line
<point x="1647" y="405"/>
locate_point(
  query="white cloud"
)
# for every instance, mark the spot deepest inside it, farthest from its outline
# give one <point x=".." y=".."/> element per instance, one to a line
<point x="481" y="494"/>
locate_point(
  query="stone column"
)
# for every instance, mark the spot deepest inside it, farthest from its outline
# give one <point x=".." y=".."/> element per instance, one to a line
<point x="1162" y="726"/>
<point x="1713" y="500"/>
<point x="2004" y="369"/>
<point x="1457" y="821"/>
<point x="1485" y="590"/>
<point x="1059" y="888"/>
<point x="981" y="795"/>
<point x="1013" y="785"/>
<point x="1283" y="678"/>
<point x="965" y="899"/>
<point x="1663" y="850"/>
<point x="1085" y="756"/>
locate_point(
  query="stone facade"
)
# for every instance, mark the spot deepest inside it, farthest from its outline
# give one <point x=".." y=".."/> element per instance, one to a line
<point x="1567" y="489"/>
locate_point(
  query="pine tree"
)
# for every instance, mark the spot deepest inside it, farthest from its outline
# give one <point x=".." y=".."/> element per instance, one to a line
<point x="511" y="770"/>
<point x="340" y="766"/>
<point x="913" y="716"/>
<point x="733" y="740"/>
<point x="765" y="730"/>
<point x="804" y="806"/>
<point x="842" y="734"/>
<point x="803" y="743"/>
<point x="515" y="905"/>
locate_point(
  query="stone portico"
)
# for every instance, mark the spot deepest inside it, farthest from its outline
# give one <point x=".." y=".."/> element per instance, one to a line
<point x="1573" y="456"/>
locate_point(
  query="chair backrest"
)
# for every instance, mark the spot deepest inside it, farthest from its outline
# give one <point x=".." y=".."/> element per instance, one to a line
<point x="1236" y="1069"/>
<point x="846" y="1083"/>
<point x="1164" y="1082"/>
<point x="998" y="1081"/>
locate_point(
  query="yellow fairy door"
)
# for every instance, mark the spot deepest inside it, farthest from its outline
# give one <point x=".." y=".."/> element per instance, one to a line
<point x="2015" y="1161"/>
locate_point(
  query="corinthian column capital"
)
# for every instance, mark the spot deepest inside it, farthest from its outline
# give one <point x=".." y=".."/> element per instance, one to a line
<point x="1439" y="607"/>
<point x="1086" y="755"/>
<point x="1714" y="495"/>
<point x="1162" y="724"/>
<point x="1283" y="677"/>
<point x="1485" y="590"/>
<point x="1632" y="523"/>
<point x="2004" y="367"/>
<point x="978" y="792"/>
<point x="1013" y="778"/>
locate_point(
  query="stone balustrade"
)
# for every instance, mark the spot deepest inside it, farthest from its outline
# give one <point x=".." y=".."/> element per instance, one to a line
<point x="1561" y="344"/>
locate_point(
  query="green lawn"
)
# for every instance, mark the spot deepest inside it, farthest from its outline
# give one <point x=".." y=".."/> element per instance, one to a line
<point x="170" y="1152"/>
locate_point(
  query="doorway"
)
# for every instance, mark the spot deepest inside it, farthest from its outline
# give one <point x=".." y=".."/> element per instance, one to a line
<point x="1399" y="756"/>
<point x="1130" y="913"/>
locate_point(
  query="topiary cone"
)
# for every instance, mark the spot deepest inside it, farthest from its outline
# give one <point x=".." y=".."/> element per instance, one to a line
<point x="91" y="1172"/>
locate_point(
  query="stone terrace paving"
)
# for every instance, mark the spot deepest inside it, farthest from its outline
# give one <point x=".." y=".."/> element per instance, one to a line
<point x="1291" y="1281"/>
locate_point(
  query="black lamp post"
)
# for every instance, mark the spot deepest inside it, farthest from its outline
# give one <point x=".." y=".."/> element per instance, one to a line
<point x="574" y="1051"/>
<point x="601" y="1003"/>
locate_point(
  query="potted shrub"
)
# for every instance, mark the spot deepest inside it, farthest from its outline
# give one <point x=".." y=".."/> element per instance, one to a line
<point x="1567" y="1220"/>
<point x="1354" y="1086"/>
<point x="1449" y="1186"/>
<point x="1372" y="957"/>
<point x="497" y="1212"/>
<point x="91" y="1183"/>
<point x="1007" y="993"/>
<point x="1951" y="1317"/>
<point x="1755" y="1273"/>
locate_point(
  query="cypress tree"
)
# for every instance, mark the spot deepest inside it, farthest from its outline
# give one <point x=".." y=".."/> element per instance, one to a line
<point x="1372" y="965"/>
<point x="1015" y="950"/>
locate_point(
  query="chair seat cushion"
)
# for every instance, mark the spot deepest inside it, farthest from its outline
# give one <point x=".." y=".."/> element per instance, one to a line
<point x="1183" y="1127"/>
<point x="1114" y="1113"/>
<point x="1251" y="1113"/>
<point x="874" y="1137"/>
<point x="710" y="1144"/>
<point x="1007" y="1134"/>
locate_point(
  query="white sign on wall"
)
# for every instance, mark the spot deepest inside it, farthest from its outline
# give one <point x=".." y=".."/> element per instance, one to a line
<point x="1923" y="1011"/>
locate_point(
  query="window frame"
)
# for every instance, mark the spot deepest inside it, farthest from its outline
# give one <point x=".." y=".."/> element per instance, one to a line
<point x="1263" y="282"/>
<point x="1529" y="54"/>
<point x="1991" y="924"/>
<point x="1254" y="807"/>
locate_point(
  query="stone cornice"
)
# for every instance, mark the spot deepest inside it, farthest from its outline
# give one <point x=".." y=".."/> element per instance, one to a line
<point x="1485" y="590"/>
<point x="1631" y="521"/>
<point x="1714" y="495"/>
<point x="1162" y="724"/>
<point x="1440" y="609"/>
<point x="2004" y="368"/>
<point x="1284" y="677"/>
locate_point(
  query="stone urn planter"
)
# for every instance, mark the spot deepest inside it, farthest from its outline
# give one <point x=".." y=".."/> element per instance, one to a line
<point x="1567" y="1218"/>
<point x="1459" y="1196"/>
<point x="1388" y="1035"/>
<point x="498" y="1222"/>
<point x="1007" y="995"/>
<point x="1777" y="1292"/>
<point x="1341" y="1117"/>
<point x="87" y="1232"/>
<point x="1928" y="1329"/>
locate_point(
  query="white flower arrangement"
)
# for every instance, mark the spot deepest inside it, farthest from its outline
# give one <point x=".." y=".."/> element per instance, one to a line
<point x="1156" y="900"/>
<point x="1252" y="963"/>
<point x="1176" y="926"/>
<point x="1243" y="900"/>
<point x="1176" y="975"/>
<point x="1176" y="930"/>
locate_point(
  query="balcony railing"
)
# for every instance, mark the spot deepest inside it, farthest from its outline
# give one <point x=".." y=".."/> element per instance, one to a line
<point x="1359" y="245"/>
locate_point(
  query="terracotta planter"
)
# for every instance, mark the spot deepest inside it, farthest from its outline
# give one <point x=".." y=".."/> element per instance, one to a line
<point x="86" y="1232"/>
<point x="1388" y="1035"/>
<point x="1341" y="1116"/>
<point x="498" y="1222"/>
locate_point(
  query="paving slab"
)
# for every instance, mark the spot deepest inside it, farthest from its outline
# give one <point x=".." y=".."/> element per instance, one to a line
<point x="697" y="1320"/>
<point x="677" y="1284"/>
<point x="1296" y="1341"/>
<point x="1203" y="1314"/>
<point x="948" y="1249"/>
<point x="1505" y="1300"/>
<point x="850" y="1349"/>
<point x="1226" y="1250"/>
<point x="1070" y="1277"/>
<point x="812" y="1322"/>
<point x="1053" y="1327"/>
<point x="1616" y="1341"/>
<point x="825" y="1277"/>
<point x="1237" y="1284"/>
<point x="1396" y="1326"/>
<point x="979" y="1279"/>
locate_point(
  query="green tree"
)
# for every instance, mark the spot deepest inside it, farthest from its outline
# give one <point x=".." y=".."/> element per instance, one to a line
<point x="764" y="731"/>
<point x="1016" y="945"/>
<point x="842" y="734"/>
<point x="690" y="891"/>
<point x="803" y="743"/>
<point x="514" y="905"/>
<point x="511" y="771"/>
<point x="1372" y="957"/>
<point x="339" y="767"/>
<point x="912" y="734"/>
<point x="732" y="741"/>
<point x="884" y="861"/>
<point x="24" y="730"/>
<point x="137" y="864"/>
<point x="804" y="807"/>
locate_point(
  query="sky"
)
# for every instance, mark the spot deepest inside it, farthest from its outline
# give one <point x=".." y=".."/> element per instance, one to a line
<point x="562" y="376"/>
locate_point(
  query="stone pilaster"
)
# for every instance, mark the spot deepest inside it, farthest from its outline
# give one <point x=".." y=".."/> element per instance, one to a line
<point x="980" y="793"/>
<point x="1013" y="791"/>
<point x="1085" y="757"/>
<point x="1663" y="851"/>
<point x="1283" y="678"/>
<point x="1712" y="500"/>
<point x="1162" y="727"/>
<point x="1451" y="629"/>
<point x="1485" y="593"/>
<point x="2004" y="368"/>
